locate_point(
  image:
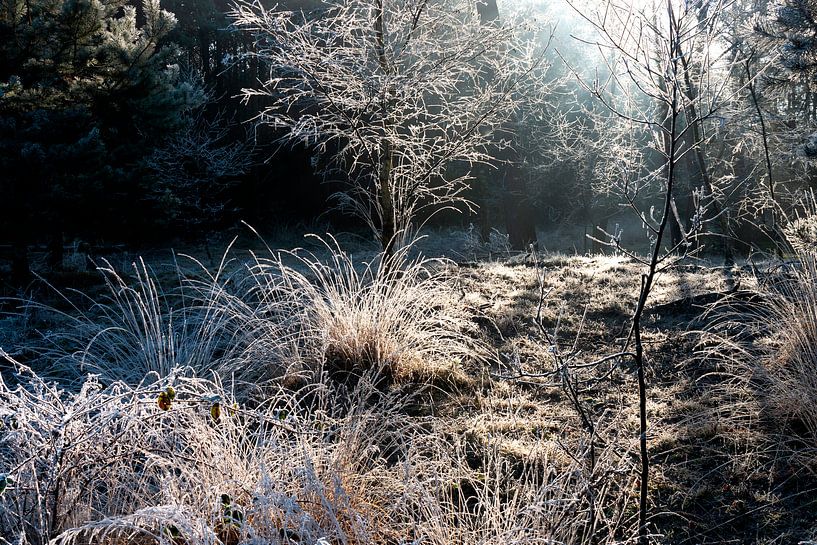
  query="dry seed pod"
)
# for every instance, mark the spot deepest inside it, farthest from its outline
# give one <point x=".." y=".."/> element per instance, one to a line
<point x="215" y="411"/>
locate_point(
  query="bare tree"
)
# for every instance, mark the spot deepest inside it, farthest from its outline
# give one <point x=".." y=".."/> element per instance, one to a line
<point x="660" y="82"/>
<point x="768" y="134"/>
<point x="189" y="172"/>
<point x="404" y="96"/>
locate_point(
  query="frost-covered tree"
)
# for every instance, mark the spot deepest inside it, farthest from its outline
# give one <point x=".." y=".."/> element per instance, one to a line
<point x="188" y="176"/>
<point x="404" y="96"/>
<point x="789" y="33"/>
<point x="661" y="82"/>
<point x="793" y="24"/>
<point x="87" y="88"/>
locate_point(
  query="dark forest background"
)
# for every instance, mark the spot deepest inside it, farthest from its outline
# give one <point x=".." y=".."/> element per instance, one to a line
<point x="139" y="137"/>
<point x="89" y="133"/>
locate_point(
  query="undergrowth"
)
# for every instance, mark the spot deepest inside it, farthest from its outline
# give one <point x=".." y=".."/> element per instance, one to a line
<point x="255" y="404"/>
<point x="396" y="314"/>
<point x="179" y="460"/>
<point x="280" y="318"/>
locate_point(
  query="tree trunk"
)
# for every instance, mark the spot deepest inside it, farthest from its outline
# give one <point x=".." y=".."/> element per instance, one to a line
<point x="20" y="223"/>
<point x="697" y="140"/>
<point x="484" y="223"/>
<point x="519" y="214"/>
<point x="204" y="54"/>
<point x="388" y="229"/>
<point x="481" y="201"/>
<point x="488" y="15"/>
<point x="773" y="227"/>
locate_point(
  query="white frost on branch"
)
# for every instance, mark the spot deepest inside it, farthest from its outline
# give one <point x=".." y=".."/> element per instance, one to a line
<point x="395" y="89"/>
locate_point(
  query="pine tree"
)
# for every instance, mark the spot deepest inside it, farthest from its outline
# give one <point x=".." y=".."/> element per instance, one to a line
<point x="795" y="28"/>
<point x="790" y="32"/>
<point x="87" y="88"/>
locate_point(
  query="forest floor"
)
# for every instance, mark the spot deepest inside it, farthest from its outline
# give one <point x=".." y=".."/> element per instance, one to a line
<point x="719" y="471"/>
<point x="718" y="476"/>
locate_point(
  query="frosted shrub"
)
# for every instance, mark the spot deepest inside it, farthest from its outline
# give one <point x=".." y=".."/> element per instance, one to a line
<point x="135" y="464"/>
<point x="71" y="455"/>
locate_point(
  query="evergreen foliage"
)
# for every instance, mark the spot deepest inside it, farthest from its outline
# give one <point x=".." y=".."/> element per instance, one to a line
<point x="796" y="30"/>
<point x="790" y="31"/>
<point x="87" y="89"/>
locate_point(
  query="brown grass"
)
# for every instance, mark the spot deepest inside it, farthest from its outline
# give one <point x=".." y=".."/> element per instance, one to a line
<point x="473" y="439"/>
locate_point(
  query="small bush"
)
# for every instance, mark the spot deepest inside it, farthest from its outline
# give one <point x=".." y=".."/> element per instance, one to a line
<point x="117" y="464"/>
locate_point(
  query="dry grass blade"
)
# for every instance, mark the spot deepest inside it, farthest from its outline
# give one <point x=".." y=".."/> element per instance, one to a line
<point x="764" y="346"/>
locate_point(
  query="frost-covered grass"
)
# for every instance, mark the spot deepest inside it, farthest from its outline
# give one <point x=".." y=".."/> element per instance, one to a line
<point x="399" y="315"/>
<point x="179" y="460"/>
<point x="279" y="317"/>
<point x="765" y="341"/>
<point x="321" y="398"/>
<point x="248" y="405"/>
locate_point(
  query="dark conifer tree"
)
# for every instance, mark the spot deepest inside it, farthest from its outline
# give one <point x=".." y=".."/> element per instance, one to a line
<point x="88" y="88"/>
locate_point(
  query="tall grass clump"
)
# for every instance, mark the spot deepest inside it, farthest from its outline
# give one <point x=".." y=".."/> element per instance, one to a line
<point x="764" y="345"/>
<point x="396" y="314"/>
<point x="286" y="317"/>
<point x="136" y="327"/>
<point x="791" y="352"/>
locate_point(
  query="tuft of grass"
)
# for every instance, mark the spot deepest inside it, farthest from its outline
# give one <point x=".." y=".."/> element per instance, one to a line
<point x="762" y="347"/>
<point x="791" y="350"/>
<point x="396" y="314"/>
<point x="285" y="318"/>
<point x="138" y="328"/>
